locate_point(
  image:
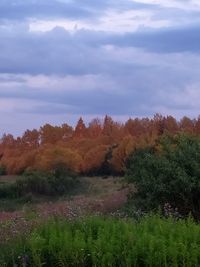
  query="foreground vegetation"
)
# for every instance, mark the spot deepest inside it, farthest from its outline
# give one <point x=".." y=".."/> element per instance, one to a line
<point x="164" y="178"/>
<point x="107" y="242"/>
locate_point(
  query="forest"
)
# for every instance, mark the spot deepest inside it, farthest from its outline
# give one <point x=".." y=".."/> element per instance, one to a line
<point x="100" y="148"/>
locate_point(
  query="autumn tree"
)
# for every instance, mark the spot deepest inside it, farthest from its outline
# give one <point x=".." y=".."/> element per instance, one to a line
<point x="170" y="125"/>
<point x="197" y="126"/>
<point x="121" y="153"/>
<point x="111" y="129"/>
<point x="158" y="121"/>
<point x="80" y="129"/>
<point x="93" y="160"/>
<point x="31" y="139"/>
<point x="136" y="127"/>
<point x="7" y="141"/>
<point x="95" y="128"/>
<point x="50" y="134"/>
<point x="49" y="157"/>
<point x="187" y="125"/>
<point x="108" y="126"/>
<point x="47" y="134"/>
<point x="67" y="132"/>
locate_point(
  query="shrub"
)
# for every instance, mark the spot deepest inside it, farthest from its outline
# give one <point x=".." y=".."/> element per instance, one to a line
<point x="33" y="182"/>
<point x="167" y="173"/>
<point x="2" y="170"/>
<point x="58" y="182"/>
<point x="7" y="191"/>
<point x="62" y="180"/>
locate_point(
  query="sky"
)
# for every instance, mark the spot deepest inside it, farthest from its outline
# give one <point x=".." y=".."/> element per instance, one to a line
<point x="62" y="59"/>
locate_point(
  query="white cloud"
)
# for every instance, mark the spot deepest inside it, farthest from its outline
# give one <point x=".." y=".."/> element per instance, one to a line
<point x="62" y="83"/>
<point x="13" y="104"/>
<point x="111" y="21"/>
<point x="191" y="5"/>
<point x="53" y="83"/>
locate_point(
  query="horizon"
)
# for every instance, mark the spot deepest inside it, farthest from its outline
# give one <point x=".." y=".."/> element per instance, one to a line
<point x="101" y="120"/>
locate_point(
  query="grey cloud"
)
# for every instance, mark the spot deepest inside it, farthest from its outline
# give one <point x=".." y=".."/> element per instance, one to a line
<point x="135" y="92"/>
<point x="55" y="52"/>
<point x="59" y="52"/>
<point x="137" y="73"/>
<point x="45" y="9"/>
<point x="165" y="41"/>
<point x="140" y="93"/>
<point x="17" y="10"/>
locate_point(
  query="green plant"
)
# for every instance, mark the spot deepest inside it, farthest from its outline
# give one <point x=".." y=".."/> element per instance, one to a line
<point x="54" y="183"/>
<point x="167" y="173"/>
<point x="102" y="242"/>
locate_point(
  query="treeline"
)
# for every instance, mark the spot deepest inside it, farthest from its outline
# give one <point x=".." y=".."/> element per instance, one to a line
<point x="101" y="148"/>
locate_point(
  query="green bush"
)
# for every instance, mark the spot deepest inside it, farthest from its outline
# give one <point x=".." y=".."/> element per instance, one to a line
<point x="167" y="173"/>
<point x="40" y="183"/>
<point x="62" y="180"/>
<point x="103" y="242"/>
<point x="2" y="170"/>
<point x="7" y="191"/>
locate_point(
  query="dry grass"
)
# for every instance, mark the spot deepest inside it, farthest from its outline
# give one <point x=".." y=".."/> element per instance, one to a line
<point x="14" y="223"/>
<point x="95" y="194"/>
<point x="99" y="186"/>
<point x="8" y="178"/>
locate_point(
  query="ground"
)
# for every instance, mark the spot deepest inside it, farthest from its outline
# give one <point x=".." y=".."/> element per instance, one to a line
<point x="96" y="193"/>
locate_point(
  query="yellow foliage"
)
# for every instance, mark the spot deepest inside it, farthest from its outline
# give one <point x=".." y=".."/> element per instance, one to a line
<point x="49" y="157"/>
<point x="94" y="158"/>
<point x="121" y="153"/>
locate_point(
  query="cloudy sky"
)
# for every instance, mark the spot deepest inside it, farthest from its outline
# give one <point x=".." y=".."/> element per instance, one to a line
<point x="60" y="59"/>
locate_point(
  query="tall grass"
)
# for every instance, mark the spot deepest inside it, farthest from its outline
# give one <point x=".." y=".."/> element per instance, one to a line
<point x="107" y="242"/>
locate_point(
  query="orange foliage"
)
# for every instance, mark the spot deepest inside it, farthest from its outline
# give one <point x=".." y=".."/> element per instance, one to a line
<point x="17" y="162"/>
<point x="94" y="158"/>
<point x="95" y="128"/>
<point x="49" y="157"/>
<point x="85" y="149"/>
<point x="80" y="130"/>
<point x="31" y="139"/>
<point x="187" y="125"/>
<point x="121" y="153"/>
<point x="112" y="129"/>
<point x="53" y="134"/>
<point x="170" y="125"/>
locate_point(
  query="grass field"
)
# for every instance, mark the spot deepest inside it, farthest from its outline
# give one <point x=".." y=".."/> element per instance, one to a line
<point x="90" y="190"/>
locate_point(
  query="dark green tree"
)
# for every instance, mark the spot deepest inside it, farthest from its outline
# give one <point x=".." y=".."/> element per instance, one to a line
<point x="169" y="172"/>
